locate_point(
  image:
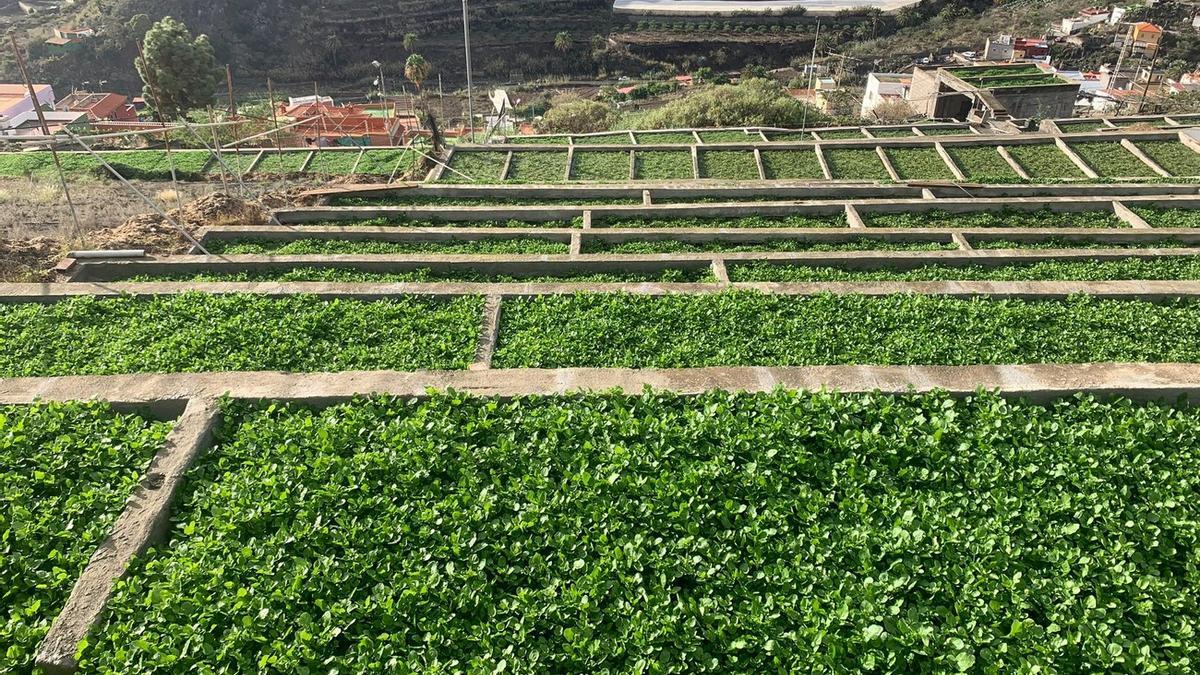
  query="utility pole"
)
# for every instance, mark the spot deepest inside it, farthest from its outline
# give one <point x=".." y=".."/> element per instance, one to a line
<point x="37" y="106"/>
<point x="470" y="83"/>
<point x="1149" y="79"/>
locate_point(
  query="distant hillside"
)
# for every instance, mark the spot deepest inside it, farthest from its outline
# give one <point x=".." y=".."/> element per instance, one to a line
<point x="297" y="42"/>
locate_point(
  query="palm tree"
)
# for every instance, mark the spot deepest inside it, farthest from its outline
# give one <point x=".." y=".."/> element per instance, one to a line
<point x="410" y="41"/>
<point x="563" y="42"/>
<point x="416" y="69"/>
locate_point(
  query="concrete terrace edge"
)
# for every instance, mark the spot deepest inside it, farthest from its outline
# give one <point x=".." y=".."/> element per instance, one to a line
<point x="1030" y="290"/>
<point x="1037" y="382"/>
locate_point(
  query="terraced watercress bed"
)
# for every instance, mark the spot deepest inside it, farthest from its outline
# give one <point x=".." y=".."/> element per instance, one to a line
<point x="725" y="533"/>
<point x="354" y="247"/>
<point x="855" y="163"/>
<point x="1110" y="159"/>
<point x="728" y="164"/>
<point x="982" y="164"/>
<point x="1000" y="218"/>
<point x="1168" y="217"/>
<point x="919" y="164"/>
<point x="670" y="246"/>
<point x="1182" y="268"/>
<point x="198" y="333"/>
<point x="425" y="274"/>
<point x="66" y="471"/>
<point x="751" y="329"/>
<point x="1177" y="158"/>
<point x="1044" y="161"/>
<point x="838" y="220"/>
<point x="600" y="165"/>
<point x="663" y="165"/>
<point x="474" y="167"/>
<point x="538" y="167"/>
<point x="784" y="164"/>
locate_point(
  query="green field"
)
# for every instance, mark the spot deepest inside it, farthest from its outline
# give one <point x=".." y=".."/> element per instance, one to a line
<point x="604" y="166"/>
<point x="1175" y="157"/>
<point x="730" y="136"/>
<point x="785" y="164"/>
<point x="838" y="220"/>
<point x="782" y="532"/>
<point x="1044" y="161"/>
<point x="621" y="138"/>
<point x="474" y="167"/>
<point x="1167" y="217"/>
<point x="670" y="246"/>
<point x="197" y="333"/>
<point x="855" y="164"/>
<point x="1001" y="218"/>
<point x="1087" y="270"/>
<point x="67" y="471"/>
<point x="425" y="274"/>
<point x="359" y="247"/>
<point x="1111" y="160"/>
<point x="728" y="164"/>
<point x="538" y="167"/>
<point x="919" y="164"/>
<point x="665" y="138"/>
<point x="340" y="163"/>
<point x="384" y="162"/>
<point x="292" y="162"/>
<point x="982" y="164"/>
<point x="836" y="134"/>
<point x="663" y="165"/>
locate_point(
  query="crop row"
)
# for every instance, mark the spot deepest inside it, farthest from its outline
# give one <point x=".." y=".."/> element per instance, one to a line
<point x="1042" y="162"/>
<point x="776" y="532"/>
<point x="303" y="272"/>
<point x="178" y="333"/>
<point x="374" y="247"/>
<point x="66" y="472"/>
<point x="1055" y="270"/>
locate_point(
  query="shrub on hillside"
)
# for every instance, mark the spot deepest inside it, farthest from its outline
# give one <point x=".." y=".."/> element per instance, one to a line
<point x="577" y="116"/>
<point x="755" y="102"/>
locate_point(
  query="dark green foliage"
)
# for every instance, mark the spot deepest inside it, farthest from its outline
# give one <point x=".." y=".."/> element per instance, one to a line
<point x="179" y="68"/>
<point x="291" y="162"/>
<point x="1062" y="242"/>
<point x="403" y="199"/>
<point x="919" y="164"/>
<point x="1086" y="270"/>
<point x="744" y="221"/>
<point x="728" y="164"/>
<point x="198" y="333"/>
<point x="385" y="162"/>
<point x="538" y="167"/>
<point x="836" y="134"/>
<point x="1044" y="161"/>
<point x="860" y="244"/>
<point x="620" y="138"/>
<point x="357" y="247"/>
<point x="1110" y="159"/>
<point x="1175" y="157"/>
<point x="944" y="131"/>
<point x="663" y="164"/>
<point x="982" y="164"/>
<point x="730" y="136"/>
<point x="605" y="166"/>
<point x="474" y="167"/>
<point x="784" y="164"/>
<point x="338" y="163"/>
<point x="424" y="274"/>
<point x="723" y="533"/>
<point x="855" y="163"/>
<point x="66" y="470"/>
<point x="1163" y="217"/>
<point x="666" y="138"/>
<point x="751" y="329"/>
<point x="1002" y="218"/>
<point x="905" y="132"/>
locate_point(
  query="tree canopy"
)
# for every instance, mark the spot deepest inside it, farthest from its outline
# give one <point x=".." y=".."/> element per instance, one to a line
<point x="179" y="68"/>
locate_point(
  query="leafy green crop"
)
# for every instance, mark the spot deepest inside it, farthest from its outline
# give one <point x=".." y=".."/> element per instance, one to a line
<point x="663" y="164"/>
<point x="538" y="167"/>
<point x="1109" y="158"/>
<point x="409" y="222"/>
<point x="944" y="131"/>
<point x="291" y="162"/>
<point x="725" y="533"/>
<point x="905" y="132"/>
<point x="474" y="167"/>
<point x="233" y="162"/>
<point x="600" y="165"/>
<point x="66" y="471"/>
<point x="1173" y="156"/>
<point x="860" y="244"/>
<point x="1002" y="218"/>
<point x="198" y="333"/>
<point x="1161" y="217"/>
<point x="835" y="134"/>
<point x="725" y="221"/>
<point x="621" y="138"/>
<point x="728" y="164"/>
<point x="132" y="164"/>
<point x="783" y="164"/>
<point x="358" y="247"/>
<point x="1063" y="242"/>
<point x="425" y="274"/>
<point x="339" y="163"/>
<point x="790" y="136"/>
<point x="666" y="138"/>
<point x="1044" y="161"/>
<point x="423" y="200"/>
<point x="745" y="328"/>
<point x="982" y="164"/>
<point x="384" y="162"/>
<point x="538" y="140"/>
<point x="1082" y="127"/>
<point x="919" y="164"/>
<point x="730" y="136"/>
<point x="855" y="163"/>
<point x="1057" y="270"/>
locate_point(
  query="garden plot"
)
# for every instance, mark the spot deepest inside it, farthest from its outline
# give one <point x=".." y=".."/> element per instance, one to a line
<point x="154" y="164"/>
<point x="1111" y="160"/>
<point x="538" y="167"/>
<point x="794" y="220"/>
<point x="538" y="140"/>
<point x="892" y="133"/>
<point x="919" y="164"/>
<point x="663" y="165"/>
<point x="603" y="166"/>
<point x="232" y="162"/>
<point x="1168" y="217"/>
<point x="67" y="471"/>
<point x="430" y="275"/>
<point x="945" y="131"/>
<point x="777" y="245"/>
<point x="621" y="138"/>
<point x="1082" y="127"/>
<point x="1001" y="218"/>
<point x="665" y="138"/>
<point x="339" y="163"/>
<point x="1044" y="161"/>
<point x="790" y="136"/>
<point x="474" y="167"/>
<point x="855" y="164"/>
<point x="411" y="198"/>
<point x="99" y="336"/>
<point x="749" y="329"/>
<point x="384" y="162"/>
<point x="580" y="534"/>
<point x="1175" y="157"/>
<point x="982" y="164"/>
<point x="1185" y="268"/>
<point x="522" y="246"/>
<point x="785" y="164"/>
<point x="728" y="164"/>
<point x="836" y="134"/>
<point x="292" y="162"/>
<point x="729" y="136"/>
<point x="432" y="221"/>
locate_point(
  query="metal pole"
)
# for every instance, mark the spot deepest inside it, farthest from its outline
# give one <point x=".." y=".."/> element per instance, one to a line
<point x="470" y="81"/>
<point x="37" y="106"/>
<point x="275" y="122"/>
<point x="1149" y="78"/>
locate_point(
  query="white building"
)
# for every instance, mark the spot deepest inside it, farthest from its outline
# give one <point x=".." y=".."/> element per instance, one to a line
<point x="884" y="88"/>
<point x="1088" y="17"/>
<point x="14" y="98"/>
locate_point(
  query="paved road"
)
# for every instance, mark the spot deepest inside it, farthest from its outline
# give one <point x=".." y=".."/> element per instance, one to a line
<point x="695" y="7"/>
